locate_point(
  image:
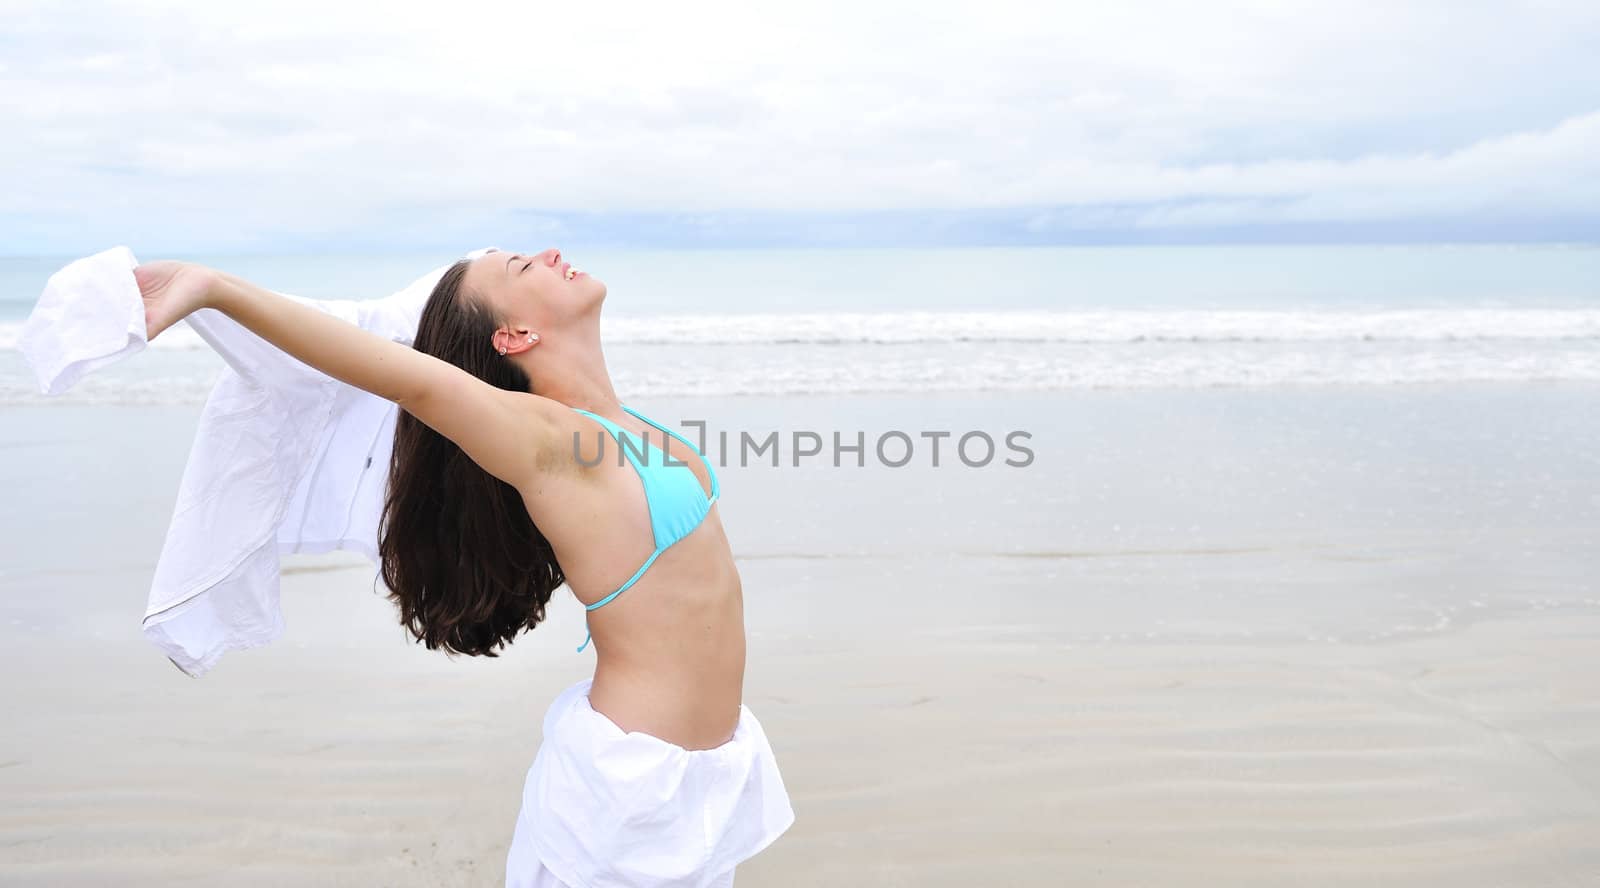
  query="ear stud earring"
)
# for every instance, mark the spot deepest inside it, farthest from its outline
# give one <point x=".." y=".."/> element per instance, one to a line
<point x="532" y="337"/>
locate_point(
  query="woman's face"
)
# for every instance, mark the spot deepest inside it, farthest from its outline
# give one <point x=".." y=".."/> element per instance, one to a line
<point x="539" y="290"/>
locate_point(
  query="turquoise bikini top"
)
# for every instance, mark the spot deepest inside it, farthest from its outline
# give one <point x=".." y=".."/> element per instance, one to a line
<point x="672" y="493"/>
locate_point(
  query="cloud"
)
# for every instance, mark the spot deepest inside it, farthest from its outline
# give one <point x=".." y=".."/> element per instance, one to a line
<point x="225" y="125"/>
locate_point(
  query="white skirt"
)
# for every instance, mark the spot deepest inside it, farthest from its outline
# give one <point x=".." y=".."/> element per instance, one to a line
<point x="601" y="807"/>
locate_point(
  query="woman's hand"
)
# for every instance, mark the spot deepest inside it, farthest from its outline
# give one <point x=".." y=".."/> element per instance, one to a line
<point x="171" y="290"/>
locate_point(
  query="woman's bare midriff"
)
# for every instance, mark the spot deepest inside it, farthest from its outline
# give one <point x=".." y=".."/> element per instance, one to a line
<point x="671" y="664"/>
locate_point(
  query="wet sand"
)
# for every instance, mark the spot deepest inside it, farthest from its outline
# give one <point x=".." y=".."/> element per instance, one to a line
<point x="1465" y="759"/>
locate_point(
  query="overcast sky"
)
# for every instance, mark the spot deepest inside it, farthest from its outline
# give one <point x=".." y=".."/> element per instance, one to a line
<point x="297" y="125"/>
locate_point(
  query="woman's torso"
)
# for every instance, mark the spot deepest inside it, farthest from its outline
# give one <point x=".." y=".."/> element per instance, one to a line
<point x="670" y="649"/>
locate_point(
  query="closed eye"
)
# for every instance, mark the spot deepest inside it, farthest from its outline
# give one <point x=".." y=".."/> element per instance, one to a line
<point x="525" y="267"/>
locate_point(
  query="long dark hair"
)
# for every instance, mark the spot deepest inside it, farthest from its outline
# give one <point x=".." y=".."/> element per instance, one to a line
<point x="462" y="559"/>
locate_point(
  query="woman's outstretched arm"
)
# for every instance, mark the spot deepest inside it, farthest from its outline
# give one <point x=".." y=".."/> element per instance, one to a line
<point x="505" y="432"/>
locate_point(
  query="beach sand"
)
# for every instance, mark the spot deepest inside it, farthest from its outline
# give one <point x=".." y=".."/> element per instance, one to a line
<point x="1466" y="759"/>
<point x="1315" y="637"/>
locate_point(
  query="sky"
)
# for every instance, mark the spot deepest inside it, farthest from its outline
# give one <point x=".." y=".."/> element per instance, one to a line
<point x="326" y="126"/>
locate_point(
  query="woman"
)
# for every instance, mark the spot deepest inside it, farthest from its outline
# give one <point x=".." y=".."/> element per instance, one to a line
<point x="506" y="482"/>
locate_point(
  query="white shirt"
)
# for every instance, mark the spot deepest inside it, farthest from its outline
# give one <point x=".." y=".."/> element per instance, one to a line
<point x="286" y="458"/>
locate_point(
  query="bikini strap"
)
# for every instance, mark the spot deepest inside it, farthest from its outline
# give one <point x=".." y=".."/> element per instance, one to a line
<point x="716" y="488"/>
<point x="617" y="434"/>
<point x="623" y="588"/>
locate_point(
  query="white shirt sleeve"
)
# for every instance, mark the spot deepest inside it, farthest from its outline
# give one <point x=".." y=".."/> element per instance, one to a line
<point x="285" y="458"/>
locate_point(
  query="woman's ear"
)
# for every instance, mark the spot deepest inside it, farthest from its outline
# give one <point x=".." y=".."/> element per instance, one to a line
<point x="508" y="342"/>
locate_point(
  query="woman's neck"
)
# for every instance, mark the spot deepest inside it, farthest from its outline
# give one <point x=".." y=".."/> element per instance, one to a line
<point x="574" y="373"/>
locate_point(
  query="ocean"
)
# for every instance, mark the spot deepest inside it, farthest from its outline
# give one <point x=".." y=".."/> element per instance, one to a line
<point x="1046" y="319"/>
